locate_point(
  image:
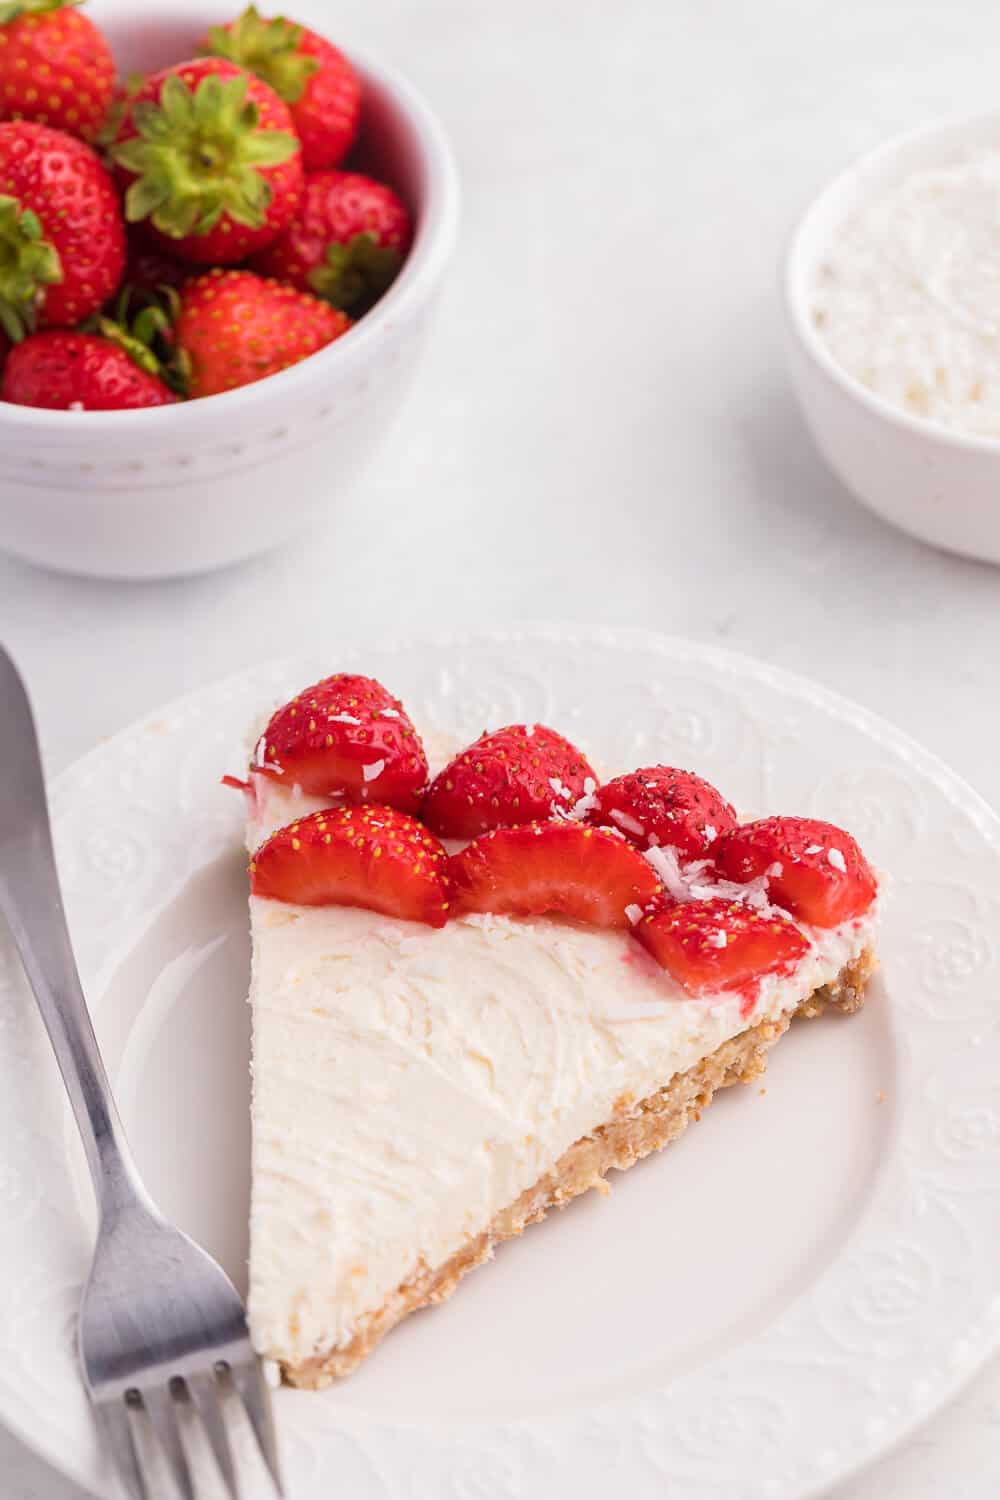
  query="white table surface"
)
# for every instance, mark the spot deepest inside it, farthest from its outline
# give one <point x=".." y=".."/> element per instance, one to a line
<point x="603" y="431"/>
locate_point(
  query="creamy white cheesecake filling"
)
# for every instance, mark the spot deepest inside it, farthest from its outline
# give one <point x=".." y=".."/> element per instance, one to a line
<point x="410" y="1083"/>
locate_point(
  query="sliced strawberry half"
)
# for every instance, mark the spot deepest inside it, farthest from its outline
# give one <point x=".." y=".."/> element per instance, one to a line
<point x="375" y="857"/>
<point x="516" y="775"/>
<point x="566" y="869"/>
<point x="348" y="738"/>
<point x="663" y="806"/>
<point x="719" y="945"/>
<point x="815" y="870"/>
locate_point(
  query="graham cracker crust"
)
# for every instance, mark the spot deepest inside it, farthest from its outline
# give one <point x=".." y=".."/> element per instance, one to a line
<point x="636" y="1129"/>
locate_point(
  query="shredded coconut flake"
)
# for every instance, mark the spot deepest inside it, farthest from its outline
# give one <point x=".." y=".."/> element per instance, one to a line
<point x="555" y="782"/>
<point x="837" y="859"/>
<point x="815" y="849"/>
<point x="696" y="880"/>
<point x="711" y="833"/>
<point x="667" y="866"/>
<point x="390" y="713"/>
<point x="627" y="822"/>
<point x="373" y="769"/>
<point x="529" y="730"/>
<point x="718" y="940"/>
<point x="634" y="913"/>
<point x="582" y="806"/>
<point x="342" y="719"/>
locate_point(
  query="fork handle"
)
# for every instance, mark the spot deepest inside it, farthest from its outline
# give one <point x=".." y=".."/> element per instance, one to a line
<point x="31" y="900"/>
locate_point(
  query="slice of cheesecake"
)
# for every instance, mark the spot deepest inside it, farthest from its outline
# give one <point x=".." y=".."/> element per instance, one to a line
<point x="446" y="1046"/>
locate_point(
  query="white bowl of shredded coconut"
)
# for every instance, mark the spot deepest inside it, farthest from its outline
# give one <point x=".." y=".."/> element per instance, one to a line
<point x="892" y="296"/>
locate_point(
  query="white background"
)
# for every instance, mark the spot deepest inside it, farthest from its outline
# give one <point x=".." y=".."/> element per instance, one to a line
<point x="603" y="431"/>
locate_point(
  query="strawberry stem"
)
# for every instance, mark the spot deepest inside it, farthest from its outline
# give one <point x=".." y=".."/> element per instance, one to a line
<point x="28" y="263"/>
<point x="196" y="155"/>
<point x="354" y="276"/>
<point x="267" y="48"/>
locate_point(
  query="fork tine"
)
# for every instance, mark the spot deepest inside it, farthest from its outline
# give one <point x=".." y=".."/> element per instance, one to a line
<point x="162" y="1411"/>
<point x="248" y="1378"/>
<point x="206" y="1394"/>
<point x="119" y="1441"/>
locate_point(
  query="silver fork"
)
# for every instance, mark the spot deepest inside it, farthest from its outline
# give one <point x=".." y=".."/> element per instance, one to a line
<point x="163" y="1336"/>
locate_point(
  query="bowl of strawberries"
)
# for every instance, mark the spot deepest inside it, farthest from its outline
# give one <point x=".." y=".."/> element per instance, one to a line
<point x="221" y="243"/>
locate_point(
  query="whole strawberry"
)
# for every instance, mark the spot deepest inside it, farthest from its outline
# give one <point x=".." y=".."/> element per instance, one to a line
<point x="346" y="242"/>
<point x="62" y="240"/>
<point x="235" y="328"/>
<point x="55" y="66"/>
<point x="315" y="79"/>
<point x="67" y="371"/>
<point x="210" y="162"/>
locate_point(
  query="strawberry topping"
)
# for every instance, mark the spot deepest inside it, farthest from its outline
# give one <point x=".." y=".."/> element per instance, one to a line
<point x="346" y="738"/>
<point x="719" y="945"/>
<point x="515" y="775"/>
<point x="374" y="857"/>
<point x="815" y="870"/>
<point x="664" y="806"/>
<point x="559" y="867"/>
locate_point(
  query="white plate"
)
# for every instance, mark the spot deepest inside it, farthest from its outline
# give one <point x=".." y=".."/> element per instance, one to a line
<point x="756" y="1312"/>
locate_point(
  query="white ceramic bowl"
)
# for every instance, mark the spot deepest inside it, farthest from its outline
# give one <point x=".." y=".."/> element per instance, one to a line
<point x="173" y="490"/>
<point x="941" y="485"/>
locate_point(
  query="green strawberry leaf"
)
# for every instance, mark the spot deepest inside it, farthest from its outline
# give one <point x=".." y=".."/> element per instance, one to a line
<point x="269" y="148"/>
<point x="270" y="49"/>
<point x="354" y="276"/>
<point x="197" y="155"/>
<point x="28" y="264"/>
<point x="146" y="195"/>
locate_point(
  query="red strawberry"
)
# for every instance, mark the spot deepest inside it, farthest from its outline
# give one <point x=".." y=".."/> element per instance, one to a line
<point x="315" y="79"/>
<point x="62" y="240"/>
<point x="356" y="856"/>
<point x="515" y="775"/>
<point x="210" y="160"/>
<point x="346" y="243"/>
<point x="55" y="66"/>
<point x="235" y="328"/>
<point x="346" y="737"/>
<point x="719" y="945"/>
<point x="660" y="805"/>
<point x="561" y="867"/>
<point x="67" y="371"/>
<point x="815" y="871"/>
